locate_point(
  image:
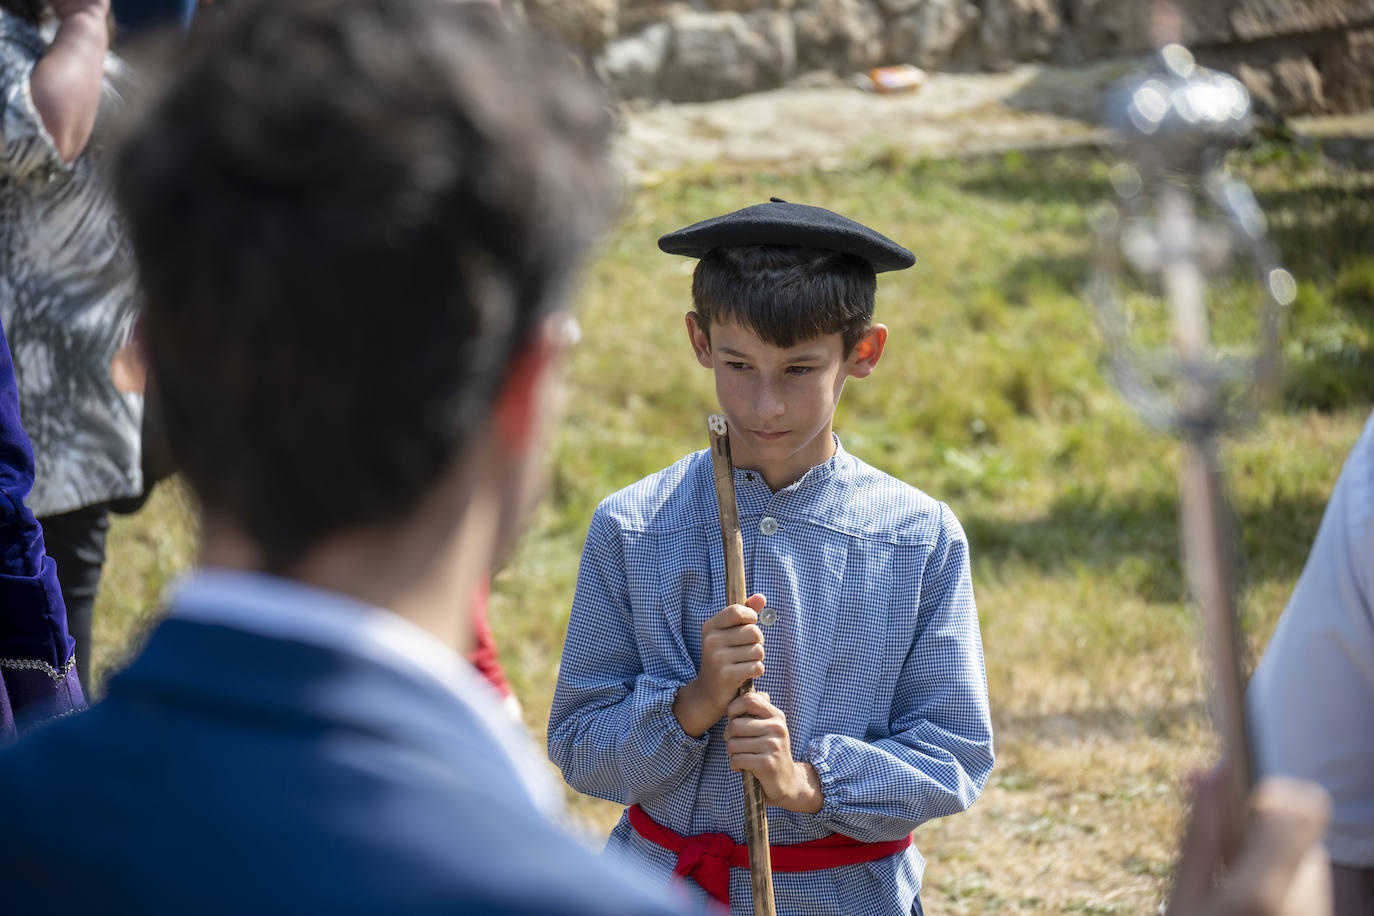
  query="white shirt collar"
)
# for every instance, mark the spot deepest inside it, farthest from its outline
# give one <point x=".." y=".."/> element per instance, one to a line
<point x="286" y="609"/>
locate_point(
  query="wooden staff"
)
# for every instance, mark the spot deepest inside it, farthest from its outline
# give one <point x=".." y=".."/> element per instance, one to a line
<point x="1205" y="518"/>
<point x="755" y="812"/>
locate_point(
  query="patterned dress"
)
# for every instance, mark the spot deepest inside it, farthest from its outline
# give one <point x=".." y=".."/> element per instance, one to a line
<point x="875" y="657"/>
<point x="67" y="296"/>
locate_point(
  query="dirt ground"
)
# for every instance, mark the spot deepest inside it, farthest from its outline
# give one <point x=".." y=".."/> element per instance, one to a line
<point x="827" y="121"/>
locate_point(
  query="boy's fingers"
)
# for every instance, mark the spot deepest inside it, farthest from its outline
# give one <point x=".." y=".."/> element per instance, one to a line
<point x="755" y="705"/>
<point x="756" y="601"/>
<point x="743" y="672"/>
<point x="732" y="615"/>
<point x="757" y="760"/>
<point x="747" y="654"/>
<point x="741" y="635"/>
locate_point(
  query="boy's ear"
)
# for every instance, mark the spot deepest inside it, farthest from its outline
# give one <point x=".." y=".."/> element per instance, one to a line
<point x="868" y="351"/>
<point x="701" y="341"/>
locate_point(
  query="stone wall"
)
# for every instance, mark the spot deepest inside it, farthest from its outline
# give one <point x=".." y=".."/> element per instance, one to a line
<point x="1297" y="56"/>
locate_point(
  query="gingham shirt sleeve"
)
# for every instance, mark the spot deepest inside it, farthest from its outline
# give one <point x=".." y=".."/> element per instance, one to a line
<point x="939" y="753"/>
<point x="611" y="729"/>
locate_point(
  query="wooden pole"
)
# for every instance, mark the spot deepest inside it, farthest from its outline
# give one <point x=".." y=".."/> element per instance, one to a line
<point x="1205" y="518"/>
<point x="755" y="811"/>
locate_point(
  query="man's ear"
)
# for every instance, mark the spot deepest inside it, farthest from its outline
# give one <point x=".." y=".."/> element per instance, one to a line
<point x="868" y="351"/>
<point x="518" y="411"/>
<point x="700" y="340"/>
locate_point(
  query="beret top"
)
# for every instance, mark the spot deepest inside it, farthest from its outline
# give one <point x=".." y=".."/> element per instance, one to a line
<point x="781" y="223"/>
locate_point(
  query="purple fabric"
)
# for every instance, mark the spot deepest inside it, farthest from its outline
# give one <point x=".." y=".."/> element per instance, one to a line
<point x="37" y="680"/>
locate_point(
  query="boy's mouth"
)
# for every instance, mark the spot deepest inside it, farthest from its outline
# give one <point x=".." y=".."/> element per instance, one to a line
<point x="769" y="435"/>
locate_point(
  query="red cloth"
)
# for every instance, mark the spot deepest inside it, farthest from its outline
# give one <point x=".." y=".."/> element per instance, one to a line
<point x="483" y="655"/>
<point x="707" y="858"/>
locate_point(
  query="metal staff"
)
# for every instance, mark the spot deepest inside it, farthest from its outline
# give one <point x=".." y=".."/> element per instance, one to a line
<point x="755" y="812"/>
<point x="1176" y="123"/>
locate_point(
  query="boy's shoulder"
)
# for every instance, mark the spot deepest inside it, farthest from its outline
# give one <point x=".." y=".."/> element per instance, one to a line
<point x="680" y="496"/>
<point x="872" y="504"/>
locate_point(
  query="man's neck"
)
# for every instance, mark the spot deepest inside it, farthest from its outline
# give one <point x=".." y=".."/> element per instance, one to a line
<point x="423" y="570"/>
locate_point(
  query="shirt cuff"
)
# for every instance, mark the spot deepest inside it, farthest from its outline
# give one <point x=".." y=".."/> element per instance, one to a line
<point x="664" y="696"/>
<point x="830" y="796"/>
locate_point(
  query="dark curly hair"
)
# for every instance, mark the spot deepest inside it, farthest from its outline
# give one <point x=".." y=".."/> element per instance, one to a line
<point x="348" y="216"/>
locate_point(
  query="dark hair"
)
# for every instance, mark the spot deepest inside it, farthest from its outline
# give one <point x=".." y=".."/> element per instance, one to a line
<point x="28" y="10"/>
<point x="785" y="294"/>
<point x="348" y="216"/>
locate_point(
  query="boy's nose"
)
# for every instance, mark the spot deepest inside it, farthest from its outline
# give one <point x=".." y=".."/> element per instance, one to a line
<point x="769" y="404"/>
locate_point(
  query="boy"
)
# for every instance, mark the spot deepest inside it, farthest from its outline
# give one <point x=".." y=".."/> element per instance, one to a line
<point x="872" y="712"/>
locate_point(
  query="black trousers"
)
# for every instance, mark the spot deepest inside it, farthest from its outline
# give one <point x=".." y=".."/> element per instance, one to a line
<point x="76" y="542"/>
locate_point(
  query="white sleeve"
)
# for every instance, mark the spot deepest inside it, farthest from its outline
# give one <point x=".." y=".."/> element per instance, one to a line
<point x="1312" y="697"/>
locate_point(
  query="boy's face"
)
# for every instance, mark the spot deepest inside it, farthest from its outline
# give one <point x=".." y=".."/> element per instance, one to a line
<point x="780" y="401"/>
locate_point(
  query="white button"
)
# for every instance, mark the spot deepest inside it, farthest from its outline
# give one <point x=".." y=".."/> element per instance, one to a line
<point x="768" y="525"/>
<point x="768" y="616"/>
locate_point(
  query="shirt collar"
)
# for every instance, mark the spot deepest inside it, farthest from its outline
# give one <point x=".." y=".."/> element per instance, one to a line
<point x="839" y="463"/>
<point x="285" y="609"/>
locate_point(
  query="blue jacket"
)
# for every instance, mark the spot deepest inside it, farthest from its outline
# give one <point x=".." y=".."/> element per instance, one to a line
<point x="228" y="772"/>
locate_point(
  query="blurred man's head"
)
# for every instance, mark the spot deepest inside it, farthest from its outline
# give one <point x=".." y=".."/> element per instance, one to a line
<point x="353" y="221"/>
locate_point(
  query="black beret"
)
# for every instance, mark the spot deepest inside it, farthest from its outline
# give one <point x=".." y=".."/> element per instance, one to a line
<point x="781" y="223"/>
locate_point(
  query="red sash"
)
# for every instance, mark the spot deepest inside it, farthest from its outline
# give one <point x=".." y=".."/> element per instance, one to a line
<point x="708" y="857"/>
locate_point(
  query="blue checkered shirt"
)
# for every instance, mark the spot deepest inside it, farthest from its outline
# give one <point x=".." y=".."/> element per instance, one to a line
<point x="875" y="659"/>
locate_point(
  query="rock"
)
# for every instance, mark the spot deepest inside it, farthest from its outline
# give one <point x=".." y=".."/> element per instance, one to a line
<point x="742" y="6"/>
<point x="779" y="43"/>
<point x="719" y="55"/>
<point x="1012" y="31"/>
<point x="1288" y="86"/>
<point x="635" y="16"/>
<point x="586" y="25"/>
<point x="1107" y="27"/>
<point x="839" y="35"/>
<point x="928" y="36"/>
<point x="1255" y="19"/>
<point x="1103" y="28"/>
<point x="630" y="66"/>
<point x="1346" y="72"/>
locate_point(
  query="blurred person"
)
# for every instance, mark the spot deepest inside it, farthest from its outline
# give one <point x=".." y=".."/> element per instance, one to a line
<point x="1278" y="869"/>
<point x="357" y="222"/>
<point x="37" y="680"/>
<point x="67" y="286"/>
<point x="1312" y="696"/>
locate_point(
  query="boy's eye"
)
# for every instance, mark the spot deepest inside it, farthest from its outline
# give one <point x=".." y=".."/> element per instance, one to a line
<point x="799" y="370"/>
<point x="738" y="367"/>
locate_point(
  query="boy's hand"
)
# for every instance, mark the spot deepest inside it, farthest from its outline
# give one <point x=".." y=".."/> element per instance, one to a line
<point x="731" y="653"/>
<point x="758" y="742"/>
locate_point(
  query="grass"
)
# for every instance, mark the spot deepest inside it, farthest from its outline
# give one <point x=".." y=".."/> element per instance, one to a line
<point x="992" y="397"/>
